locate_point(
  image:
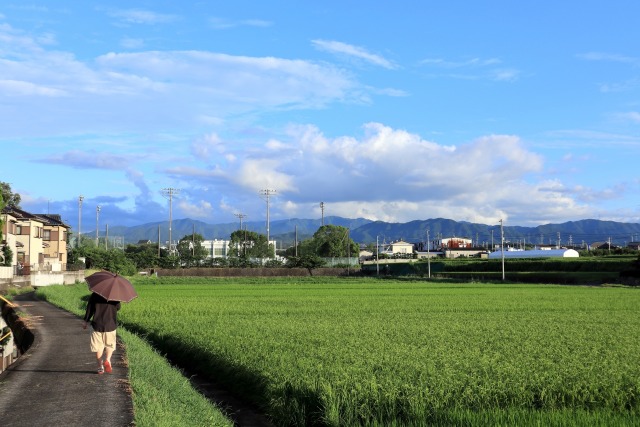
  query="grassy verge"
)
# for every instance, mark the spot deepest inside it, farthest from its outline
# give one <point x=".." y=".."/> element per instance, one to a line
<point x="162" y="396"/>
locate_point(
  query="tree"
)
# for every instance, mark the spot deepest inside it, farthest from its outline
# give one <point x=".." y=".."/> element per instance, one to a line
<point x="309" y="261"/>
<point x="6" y="256"/>
<point x="247" y="245"/>
<point x="144" y="256"/>
<point x="10" y="198"/>
<point x="334" y="241"/>
<point x="191" y="251"/>
<point x="113" y="260"/>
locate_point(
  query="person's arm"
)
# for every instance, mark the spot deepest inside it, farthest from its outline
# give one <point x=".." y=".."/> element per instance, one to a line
<point x="91" y="309"/>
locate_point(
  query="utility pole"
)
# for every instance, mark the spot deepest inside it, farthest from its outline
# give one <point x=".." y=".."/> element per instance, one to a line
<point x="267" y="194"/>
<point x="169" y="193"/>
<point x="428" y="256"/>
<point x="80" y="199"/>
<point x="97" y="217"/>
<point x="558" y="240"/>
<point x="502" y="246"/>
<point x="377" y="257"/>
<point x="240" y="216"/>
<point x="106" y="237"/>
<point x="322" y="212"/>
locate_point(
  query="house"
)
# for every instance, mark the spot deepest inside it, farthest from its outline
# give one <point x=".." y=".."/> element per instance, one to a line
<point x="401" y="248"/>
<point x="38" y="241"/>
<point x="634" y="245"/>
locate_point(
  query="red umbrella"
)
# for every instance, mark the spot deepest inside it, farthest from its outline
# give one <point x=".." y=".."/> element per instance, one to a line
<point x="111" y="286"/>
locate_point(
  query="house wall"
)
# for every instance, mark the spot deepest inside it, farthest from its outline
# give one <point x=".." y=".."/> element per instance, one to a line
<point x="56" y="253"/>
<point x="31" y="238"/>
<point x="402" y="248"/>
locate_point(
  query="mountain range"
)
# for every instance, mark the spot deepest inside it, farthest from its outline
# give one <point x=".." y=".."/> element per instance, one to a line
<point x="285" y="232"/>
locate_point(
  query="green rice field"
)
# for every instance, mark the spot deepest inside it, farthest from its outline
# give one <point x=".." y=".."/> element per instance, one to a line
<point x="351" y="352"/>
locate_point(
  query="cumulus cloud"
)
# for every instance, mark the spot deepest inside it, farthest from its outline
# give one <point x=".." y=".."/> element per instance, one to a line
<point x="395" y="175"/>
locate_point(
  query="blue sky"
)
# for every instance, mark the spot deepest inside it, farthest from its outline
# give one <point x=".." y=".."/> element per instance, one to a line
<point x="393" y="111"/>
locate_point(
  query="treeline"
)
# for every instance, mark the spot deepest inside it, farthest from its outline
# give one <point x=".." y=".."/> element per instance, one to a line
<point x="247" y="249"/>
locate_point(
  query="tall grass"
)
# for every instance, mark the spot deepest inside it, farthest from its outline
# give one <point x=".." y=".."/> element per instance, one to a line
<point x="341" y="352"/>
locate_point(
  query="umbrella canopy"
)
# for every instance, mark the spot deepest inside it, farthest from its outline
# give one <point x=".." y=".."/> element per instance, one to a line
<point x="111" y="286"/>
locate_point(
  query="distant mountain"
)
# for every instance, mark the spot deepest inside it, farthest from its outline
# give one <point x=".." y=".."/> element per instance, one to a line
<point x="280" y="230"/>
<point x="573" y="232"/>
<point x="367" y="231"/>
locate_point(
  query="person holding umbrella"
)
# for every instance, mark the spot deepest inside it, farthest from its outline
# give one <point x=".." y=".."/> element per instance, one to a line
<point x="103" y="316"/>
<point x="108" y="290"/>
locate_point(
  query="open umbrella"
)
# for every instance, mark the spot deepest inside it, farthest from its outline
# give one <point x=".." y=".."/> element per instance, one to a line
<point x="111" y="286"/>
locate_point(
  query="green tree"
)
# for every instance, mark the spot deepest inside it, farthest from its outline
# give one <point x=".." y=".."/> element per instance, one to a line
<point x="247" y="245"/>
<point x="309" y="261"/>
<point x="113" y="260"/>
<point x="145" y="255"/>
<point x="334" y="241"/>
<point x="191" y="251"/>
<point x="10" y="198"/>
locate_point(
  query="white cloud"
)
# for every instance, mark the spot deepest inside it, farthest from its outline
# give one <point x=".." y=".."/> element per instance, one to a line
<point x="474" y="69"/>
<point x="203" y="148"/>
<point x="201" y="209"/>
<point x="353" y="51"/>
<point x="131" y="43"/>
<point x="394" y="175"/>
<point x="141" y="16"/>
<point x="144" y="90"/>
<point x="223" y="24"/>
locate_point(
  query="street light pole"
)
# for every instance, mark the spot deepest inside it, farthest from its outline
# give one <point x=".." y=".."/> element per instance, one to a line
<point x="169" y="193"/>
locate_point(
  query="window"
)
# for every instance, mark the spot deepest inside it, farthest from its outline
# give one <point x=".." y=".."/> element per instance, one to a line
<point x="18" y="229"/>
<point x="46" y="235"/>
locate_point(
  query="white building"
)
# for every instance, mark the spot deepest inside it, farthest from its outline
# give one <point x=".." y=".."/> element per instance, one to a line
<point x="220" y="248"/>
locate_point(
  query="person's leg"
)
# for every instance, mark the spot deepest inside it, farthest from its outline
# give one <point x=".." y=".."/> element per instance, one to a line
<point x="107" y="358"/>
<point x="97" y="346"/>
<point x="110" y="346"/>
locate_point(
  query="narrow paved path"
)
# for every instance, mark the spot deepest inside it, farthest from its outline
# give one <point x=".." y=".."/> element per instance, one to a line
<point x="55" y="382"/>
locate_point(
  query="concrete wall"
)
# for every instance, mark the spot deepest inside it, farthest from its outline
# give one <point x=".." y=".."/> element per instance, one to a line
<point x="6" y="273"/>
<point x="41" y="278"/>
<point x="56" y="278"/>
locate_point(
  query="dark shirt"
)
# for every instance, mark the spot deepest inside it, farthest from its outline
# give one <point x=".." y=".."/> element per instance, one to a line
<point x="103" y="312"/>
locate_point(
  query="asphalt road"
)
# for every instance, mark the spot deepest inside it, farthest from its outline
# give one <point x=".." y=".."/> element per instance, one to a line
<point x="55" y="382"/>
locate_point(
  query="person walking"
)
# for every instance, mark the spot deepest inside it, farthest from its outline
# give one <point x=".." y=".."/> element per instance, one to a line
<point x="103" y="317"/>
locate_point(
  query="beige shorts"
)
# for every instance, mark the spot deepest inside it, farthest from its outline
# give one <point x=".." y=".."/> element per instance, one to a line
<point x="102" y="340"/>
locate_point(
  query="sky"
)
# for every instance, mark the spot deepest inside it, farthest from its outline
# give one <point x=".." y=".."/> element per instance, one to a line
<point x="479" y="111"/>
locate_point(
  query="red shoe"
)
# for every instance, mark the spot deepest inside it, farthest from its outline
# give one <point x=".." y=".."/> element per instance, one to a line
<point x="107" y="366"/>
